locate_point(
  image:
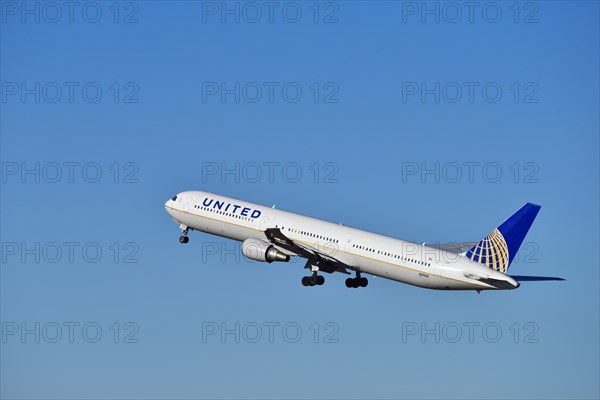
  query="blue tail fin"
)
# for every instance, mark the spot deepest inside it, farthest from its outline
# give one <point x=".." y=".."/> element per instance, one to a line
<point x="498" y="249"/>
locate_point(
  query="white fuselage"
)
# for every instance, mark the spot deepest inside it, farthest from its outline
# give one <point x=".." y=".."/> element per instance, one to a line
<point x="362" y="251"/>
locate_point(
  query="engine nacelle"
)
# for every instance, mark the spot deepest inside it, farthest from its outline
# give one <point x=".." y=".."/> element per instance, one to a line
<point x="260" y="250"/>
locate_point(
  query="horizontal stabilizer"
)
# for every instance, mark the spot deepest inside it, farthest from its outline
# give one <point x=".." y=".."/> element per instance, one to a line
<point x="497" y="283"/>
<point x="523" y="278"/>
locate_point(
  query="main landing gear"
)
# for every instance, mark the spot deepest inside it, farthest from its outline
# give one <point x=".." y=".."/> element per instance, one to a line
<point x="313" y="280"/>
<point x="357" y="282"/>
<point x="184" y="238"/>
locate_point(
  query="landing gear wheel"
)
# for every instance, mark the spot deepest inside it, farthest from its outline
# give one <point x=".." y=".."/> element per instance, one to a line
<point x="184" y="238"/>
<point x="313" y="280"/>
<point x="359" y="281"/>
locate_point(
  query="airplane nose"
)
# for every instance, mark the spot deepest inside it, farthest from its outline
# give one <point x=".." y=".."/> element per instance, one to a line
<point x="169" y="206"/>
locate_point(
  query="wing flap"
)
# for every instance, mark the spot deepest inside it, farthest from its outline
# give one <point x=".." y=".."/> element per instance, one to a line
<point x="326" y="262"/>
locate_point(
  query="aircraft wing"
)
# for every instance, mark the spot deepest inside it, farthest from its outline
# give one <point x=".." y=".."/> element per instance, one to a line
<point x="456" y="248"/>
<point x="326" y="262"/>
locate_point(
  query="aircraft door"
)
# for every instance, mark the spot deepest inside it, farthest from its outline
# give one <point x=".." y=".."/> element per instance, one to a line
<point x="264" y="223"/>
<point x="187" y="204"/>
<point x="348" y="248"/>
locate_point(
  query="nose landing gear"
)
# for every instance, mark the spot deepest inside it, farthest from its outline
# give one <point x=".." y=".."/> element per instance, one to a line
<point x="184" y="238"/>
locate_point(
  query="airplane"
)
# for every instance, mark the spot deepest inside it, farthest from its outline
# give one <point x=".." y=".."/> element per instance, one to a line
<point x="272" y="235"/>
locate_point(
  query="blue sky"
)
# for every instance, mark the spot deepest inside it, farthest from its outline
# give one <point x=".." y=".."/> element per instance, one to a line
<point x="423" y="129"/>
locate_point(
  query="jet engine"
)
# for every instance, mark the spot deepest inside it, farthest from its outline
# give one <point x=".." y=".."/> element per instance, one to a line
<point x="260" y="250"/>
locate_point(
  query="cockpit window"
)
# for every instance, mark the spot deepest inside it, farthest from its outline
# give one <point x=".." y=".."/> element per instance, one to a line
<point x="174" y="198"/>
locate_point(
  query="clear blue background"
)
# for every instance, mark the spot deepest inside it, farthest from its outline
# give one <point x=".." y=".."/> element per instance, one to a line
<point x="369" y="133"/>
